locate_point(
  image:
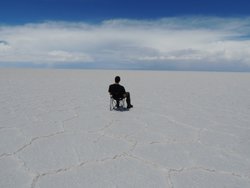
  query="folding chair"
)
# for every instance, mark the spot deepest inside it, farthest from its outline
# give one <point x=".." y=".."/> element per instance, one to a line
<point x="117" y="104"/>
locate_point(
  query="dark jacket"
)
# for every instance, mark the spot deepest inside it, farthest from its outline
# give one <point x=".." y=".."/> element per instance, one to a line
<point x="117" y="91"/>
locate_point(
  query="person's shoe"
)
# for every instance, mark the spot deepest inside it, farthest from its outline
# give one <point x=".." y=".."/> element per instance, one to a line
<point x="130" y="106"/>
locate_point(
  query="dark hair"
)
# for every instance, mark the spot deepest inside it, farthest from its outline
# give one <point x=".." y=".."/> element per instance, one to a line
<point x="117" y="79"/>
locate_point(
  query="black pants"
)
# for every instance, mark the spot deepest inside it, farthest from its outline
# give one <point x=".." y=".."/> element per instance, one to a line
<point x="128" y="98"/>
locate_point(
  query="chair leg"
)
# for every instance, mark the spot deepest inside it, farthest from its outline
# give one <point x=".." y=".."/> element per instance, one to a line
<point x="111" y="104"/>
<point x="123" y="103"/>
<point x="116" y="104"/>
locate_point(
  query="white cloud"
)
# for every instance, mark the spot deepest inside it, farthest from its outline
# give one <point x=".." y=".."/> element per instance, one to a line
<point x="64" y="56"/>
<point x="187" y="41"/>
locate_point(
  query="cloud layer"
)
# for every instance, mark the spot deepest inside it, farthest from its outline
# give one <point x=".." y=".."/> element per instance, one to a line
<point x="185" y="43"/>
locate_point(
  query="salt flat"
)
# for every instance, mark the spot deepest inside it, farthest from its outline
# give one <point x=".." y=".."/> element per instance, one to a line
<point x="186" y="130"/>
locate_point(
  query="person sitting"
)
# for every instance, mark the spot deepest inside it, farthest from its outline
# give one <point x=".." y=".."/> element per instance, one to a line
<point x="118" y="92"/>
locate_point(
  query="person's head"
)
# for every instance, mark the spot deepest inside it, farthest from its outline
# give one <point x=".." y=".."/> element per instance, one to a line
<point x="117" y="79"/>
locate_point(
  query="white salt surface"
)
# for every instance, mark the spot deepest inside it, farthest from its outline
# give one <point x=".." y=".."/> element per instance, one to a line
<point x="186" y="130"/>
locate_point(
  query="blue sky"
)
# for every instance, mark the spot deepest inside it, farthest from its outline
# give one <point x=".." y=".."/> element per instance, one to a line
<point x="129" y="34"/>
<point x="22" y="11"/>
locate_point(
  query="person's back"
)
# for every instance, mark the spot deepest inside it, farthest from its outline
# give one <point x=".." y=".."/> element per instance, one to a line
<point x="117" y="91"/>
